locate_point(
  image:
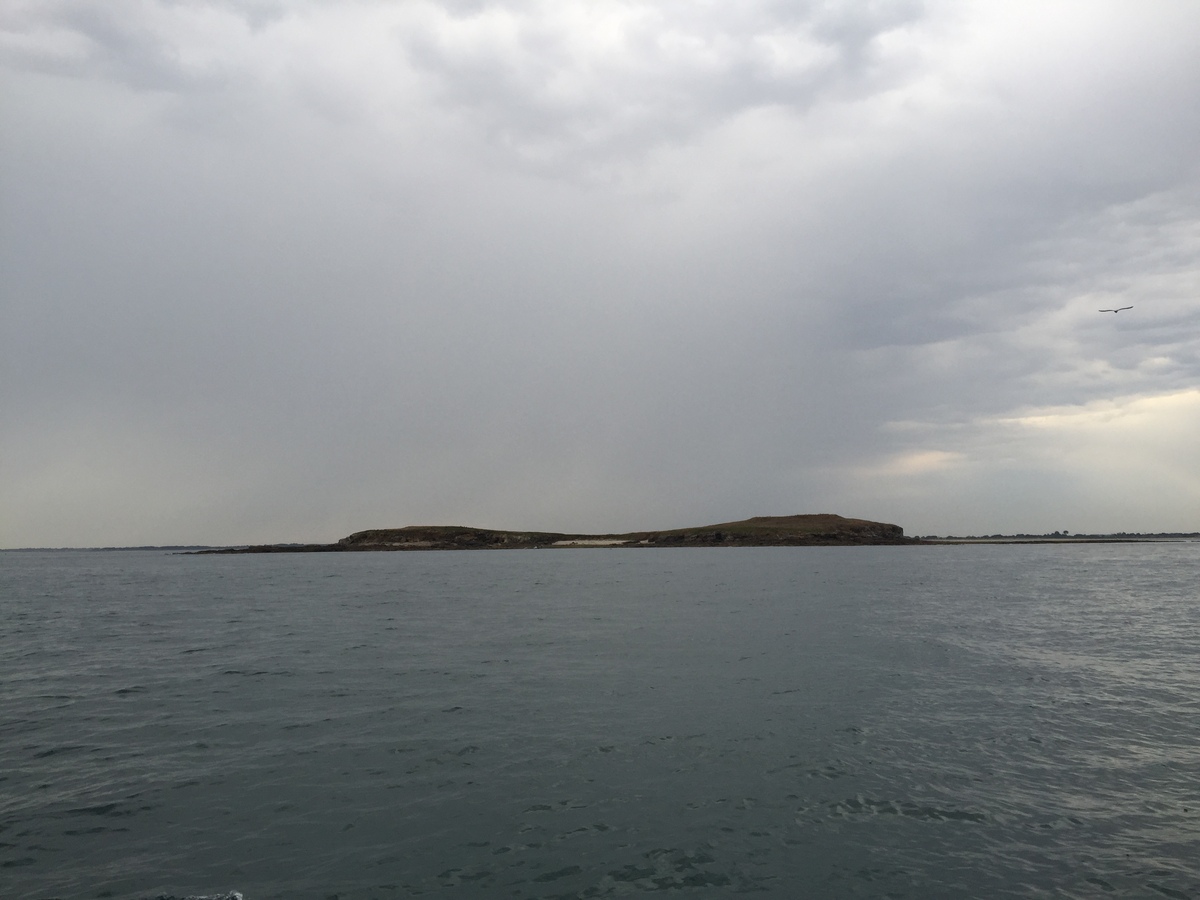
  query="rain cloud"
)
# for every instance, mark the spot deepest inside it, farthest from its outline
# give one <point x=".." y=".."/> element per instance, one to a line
<point x="282" y="271"/>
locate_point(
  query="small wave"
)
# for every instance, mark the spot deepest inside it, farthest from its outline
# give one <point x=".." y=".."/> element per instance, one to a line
<point x="54" y="751"/>
<point x="232" y="895"/>
<point x="559" y="873"/>
<point x="864" y="805"/>
<point x="671" y="869"/>
<point x="101" y="809"/>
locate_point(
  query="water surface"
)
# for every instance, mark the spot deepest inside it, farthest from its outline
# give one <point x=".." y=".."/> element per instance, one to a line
<point x="1015" y="721"/>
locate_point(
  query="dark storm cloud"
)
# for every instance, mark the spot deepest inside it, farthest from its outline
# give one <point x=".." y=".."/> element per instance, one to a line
<point x="282" y="272"/>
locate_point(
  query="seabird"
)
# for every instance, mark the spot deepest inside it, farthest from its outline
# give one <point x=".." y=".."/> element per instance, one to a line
<point x="1118" y="309"/>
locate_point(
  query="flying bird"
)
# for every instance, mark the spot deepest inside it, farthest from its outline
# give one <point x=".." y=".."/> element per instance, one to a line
<point x="1117" y="310"/>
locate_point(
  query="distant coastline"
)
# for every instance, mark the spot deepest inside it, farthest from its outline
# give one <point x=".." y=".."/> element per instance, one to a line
<point x="816" y="530"/>
<point x="1119" y="538"/>
<point x="820" y="530"/>
<point x="761" y="531"/>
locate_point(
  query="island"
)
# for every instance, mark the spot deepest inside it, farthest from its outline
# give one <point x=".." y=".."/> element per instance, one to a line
<point x="819" y="530"/>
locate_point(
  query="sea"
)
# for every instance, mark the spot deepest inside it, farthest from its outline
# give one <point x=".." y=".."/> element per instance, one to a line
<point x="826" y="722"/>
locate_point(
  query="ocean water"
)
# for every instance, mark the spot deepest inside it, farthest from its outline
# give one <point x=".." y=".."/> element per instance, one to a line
<point x="925" y="722"/>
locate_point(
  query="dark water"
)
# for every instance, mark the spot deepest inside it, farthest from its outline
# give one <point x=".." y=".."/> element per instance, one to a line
<point x="830" y="722"/>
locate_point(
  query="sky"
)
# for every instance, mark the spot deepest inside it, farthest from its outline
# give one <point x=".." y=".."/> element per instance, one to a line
<point x="281" y="271"/>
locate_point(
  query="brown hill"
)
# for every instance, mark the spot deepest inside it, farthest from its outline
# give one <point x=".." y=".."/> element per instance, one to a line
<point x="760" y="531"/>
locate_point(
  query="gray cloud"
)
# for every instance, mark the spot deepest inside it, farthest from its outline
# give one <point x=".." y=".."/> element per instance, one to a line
<point x="580" y="84"/>
<point x="280" y="272"/>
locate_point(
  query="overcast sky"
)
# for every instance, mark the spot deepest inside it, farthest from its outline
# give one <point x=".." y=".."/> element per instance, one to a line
<point x="281" y="271"/>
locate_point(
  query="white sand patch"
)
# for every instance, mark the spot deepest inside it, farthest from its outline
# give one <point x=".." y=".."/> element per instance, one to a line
<point x="590" y="542"/>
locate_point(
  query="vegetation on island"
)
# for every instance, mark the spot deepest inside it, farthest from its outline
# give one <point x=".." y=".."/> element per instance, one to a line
<point x="760" y="531"/>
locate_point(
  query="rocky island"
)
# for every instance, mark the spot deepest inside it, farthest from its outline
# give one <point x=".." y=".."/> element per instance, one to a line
<point x="761" y="531"/>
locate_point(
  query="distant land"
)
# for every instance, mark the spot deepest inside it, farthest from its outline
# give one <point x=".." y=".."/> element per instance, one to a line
<point x="1063" y="537"/>
<point x="821" y="530"/>
<point x="761" y="531"/>
<point x="167" y="548"/>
